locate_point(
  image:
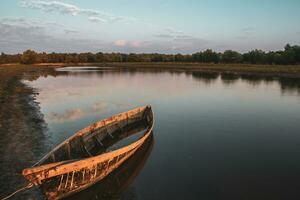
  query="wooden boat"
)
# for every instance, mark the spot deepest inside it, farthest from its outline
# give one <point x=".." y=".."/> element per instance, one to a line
<point x="113" y="186"/>
<point x="82" y="160"/>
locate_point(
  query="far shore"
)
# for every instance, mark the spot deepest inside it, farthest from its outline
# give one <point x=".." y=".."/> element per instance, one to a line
<point x="292" y="71"/>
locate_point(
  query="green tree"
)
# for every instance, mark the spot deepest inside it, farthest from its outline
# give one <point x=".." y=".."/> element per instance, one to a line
<point x="29" y="57"/>
<point x="179" y="58"/>
<point x="291" y="54"/>
<point x="3" y="58"/>
<point x="255" y="57"/>
<point x="91" y="57"/>
<point x="230" y="56"/>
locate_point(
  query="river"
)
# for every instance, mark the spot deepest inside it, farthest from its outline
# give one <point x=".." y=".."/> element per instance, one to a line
<point x="216" y="136"/>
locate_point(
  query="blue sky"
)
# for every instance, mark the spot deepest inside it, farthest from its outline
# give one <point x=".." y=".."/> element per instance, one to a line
<point x="164" y="26"/>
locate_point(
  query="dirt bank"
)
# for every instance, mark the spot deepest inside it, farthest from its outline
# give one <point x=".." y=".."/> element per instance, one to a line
<point x="22" y="129"/>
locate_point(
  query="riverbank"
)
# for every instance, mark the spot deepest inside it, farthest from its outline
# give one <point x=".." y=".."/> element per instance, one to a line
<point x="22" y="127"/>
<point x="292" y="71"/>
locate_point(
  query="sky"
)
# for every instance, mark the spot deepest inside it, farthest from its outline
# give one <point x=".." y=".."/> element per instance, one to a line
<point x="144" y="26"/>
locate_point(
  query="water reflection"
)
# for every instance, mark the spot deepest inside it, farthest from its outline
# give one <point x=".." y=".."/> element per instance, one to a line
<point x="117" y="184"/>
<point x="229" y="78"/>
<point x="218" y="135"/>
<point x="205" y="77"/>
<point x="288" y="84"/>
<point x="84" y="69"/>
<point x="73" y="114"/>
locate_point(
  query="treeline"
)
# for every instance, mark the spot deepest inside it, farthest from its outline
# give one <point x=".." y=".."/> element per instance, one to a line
<point x="289" y="56"/>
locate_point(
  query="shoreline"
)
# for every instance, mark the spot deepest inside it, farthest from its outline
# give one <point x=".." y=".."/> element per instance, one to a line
<point x="288" y="71"/>
<point x="22" y="126"/>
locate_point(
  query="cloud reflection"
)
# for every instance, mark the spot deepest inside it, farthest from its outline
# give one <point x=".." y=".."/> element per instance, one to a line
<point x="68" y="115"/>
<point x="78" y="113"/>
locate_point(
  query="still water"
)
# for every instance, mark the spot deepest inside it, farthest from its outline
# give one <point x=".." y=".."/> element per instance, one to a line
<point x="216" y="136"/>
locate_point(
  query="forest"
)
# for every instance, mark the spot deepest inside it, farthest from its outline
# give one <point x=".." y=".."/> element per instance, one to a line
<point x="289" y="56"/>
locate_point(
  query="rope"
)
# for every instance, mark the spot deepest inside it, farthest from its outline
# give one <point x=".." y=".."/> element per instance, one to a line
<point x="19" y="190"/>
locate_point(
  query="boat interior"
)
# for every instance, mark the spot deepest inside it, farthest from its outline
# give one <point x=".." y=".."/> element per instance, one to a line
<point x="97" y="138"/>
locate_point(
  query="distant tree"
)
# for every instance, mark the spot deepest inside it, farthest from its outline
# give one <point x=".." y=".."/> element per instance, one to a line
<point x="133" y="57"/>
<point x="91" y="57"/>
<point x="207" y="56"/>
<point x="296" y="49"/>
<point x="287" y="47"/>
<point x="115" y="57"/>
<point x="3" y="58"/>
<point x="157" y="58"/>
<point x="29" y="57"/>
<point x="178" y="58"/>
<point x="99" y="57"/>
<point x="187" y="58"/>
<point x="290" y="55"/>
<point x="69" y="58"/>
<point x="255" y="57"/>
<point x="271" y="57"/>
<point x="54" y="57"/>
<point x="230" y="56"/>
<point x="82" y="58"/>
<point x="42" y="58"/>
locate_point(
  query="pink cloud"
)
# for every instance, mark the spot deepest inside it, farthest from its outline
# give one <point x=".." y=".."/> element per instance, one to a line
<point x="120" y="43"/>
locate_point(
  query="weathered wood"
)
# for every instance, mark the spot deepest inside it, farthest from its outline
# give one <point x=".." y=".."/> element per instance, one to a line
<point x="86" y="171"/>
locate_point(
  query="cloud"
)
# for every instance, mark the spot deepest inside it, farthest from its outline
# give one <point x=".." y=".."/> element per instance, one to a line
<point x="120" y="43"/>
<point x="97" y="19"/>
<point x="18" y="34"/>
<point x="69" y="31"/>
<point x="164" y="36"/>
<point x="246" y="33"/>
<point x="50" y="6"/>
<point x="173" y="31"/>
<point x="14" y="20"/>
<point x="21" y="21"/>
<point x="163" y="46"/>
<point x="17" y="37"/>
<point x="178" y="41"/>
<point x="129" y="44"/>
<point x="70" y="9"/>
<point x="176" y="35"/>
<point x="136" y="43"/>
<point x="170" y="33"/>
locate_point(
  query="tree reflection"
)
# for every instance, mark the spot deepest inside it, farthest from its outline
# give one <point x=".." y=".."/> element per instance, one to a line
<point x="229" y="78"/>
<point x="205" y="77"/>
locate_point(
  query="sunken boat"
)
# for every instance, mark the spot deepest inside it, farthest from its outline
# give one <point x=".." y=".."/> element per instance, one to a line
<point x="117" y="184"/>
<point x="85" y="158"/>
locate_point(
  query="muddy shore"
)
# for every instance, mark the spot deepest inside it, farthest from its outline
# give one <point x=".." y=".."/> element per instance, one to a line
<point x="22" y="129"/>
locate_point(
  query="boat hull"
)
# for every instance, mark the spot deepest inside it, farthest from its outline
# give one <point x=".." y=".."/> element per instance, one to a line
<point x="61" y="179"/>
